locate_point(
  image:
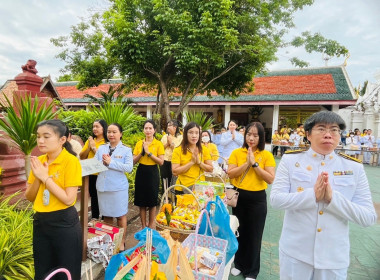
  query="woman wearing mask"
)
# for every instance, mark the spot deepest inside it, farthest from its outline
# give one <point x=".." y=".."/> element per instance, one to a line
<point x="206" y="142"/>
<point x="231" y="139"/>
<point x="112" y="185"/>
<point x="148" y="152"/>
<point x="250" y="169"/>
<point x="99" y="137"/>
<point x="52" y="187"/>
<point x="170" y="141"/>
<point x="190" y="159"/>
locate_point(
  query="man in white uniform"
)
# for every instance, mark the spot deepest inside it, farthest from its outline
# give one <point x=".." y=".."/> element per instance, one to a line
<point x="320" y="192"/>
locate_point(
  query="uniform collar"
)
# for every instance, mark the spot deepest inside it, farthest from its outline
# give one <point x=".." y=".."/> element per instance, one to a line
<point x="318" y="156"/>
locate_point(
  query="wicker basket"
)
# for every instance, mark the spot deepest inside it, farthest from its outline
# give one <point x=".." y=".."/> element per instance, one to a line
<point x="176" y="233"/>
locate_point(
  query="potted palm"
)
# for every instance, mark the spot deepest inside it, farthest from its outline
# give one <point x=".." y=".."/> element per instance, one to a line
<point x="20" y="122"/>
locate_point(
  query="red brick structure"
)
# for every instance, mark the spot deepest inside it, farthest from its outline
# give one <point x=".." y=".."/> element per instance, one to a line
<point x="12" y="160"/>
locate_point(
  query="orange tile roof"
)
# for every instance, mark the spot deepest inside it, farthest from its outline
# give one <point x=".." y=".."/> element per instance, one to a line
<point x="305" y="84"/>
<point x="284" y="85"/>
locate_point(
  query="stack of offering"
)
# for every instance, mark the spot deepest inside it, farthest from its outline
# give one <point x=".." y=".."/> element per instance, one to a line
<point x="206" y="191"/>
<point x="183" y="215"/>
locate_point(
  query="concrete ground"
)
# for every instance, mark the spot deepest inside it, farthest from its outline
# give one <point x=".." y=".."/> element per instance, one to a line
<point x="365" y="242"/>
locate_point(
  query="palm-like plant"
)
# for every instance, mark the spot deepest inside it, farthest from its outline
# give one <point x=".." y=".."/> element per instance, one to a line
<point x="16" y="250"/>
<point x="202" y="119"/>
<point x="114" y="94"/>
<point x="20" y="122"/>
<point x="119" y="113"/>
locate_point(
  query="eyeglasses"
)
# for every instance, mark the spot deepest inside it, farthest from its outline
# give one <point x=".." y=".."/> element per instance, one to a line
<point x="322" y="130"/>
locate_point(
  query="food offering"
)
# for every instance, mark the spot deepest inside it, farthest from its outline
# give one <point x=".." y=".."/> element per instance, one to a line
<point x="206" y="191"/>
<point x="183" y="215"/>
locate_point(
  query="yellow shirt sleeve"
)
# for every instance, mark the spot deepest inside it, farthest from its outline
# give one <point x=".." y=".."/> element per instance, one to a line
<point x="160" y="148"/>
<point x="214" y="152"/>
<point x="138" y="148"/>
<point x="176" y="157"/>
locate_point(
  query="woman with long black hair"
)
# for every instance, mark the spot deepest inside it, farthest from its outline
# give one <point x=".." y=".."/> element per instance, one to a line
<point x="99" y="137"/>
<point x="149" y="153"/>
<point x="250" y="169"/>
<point x="52" y="187"/>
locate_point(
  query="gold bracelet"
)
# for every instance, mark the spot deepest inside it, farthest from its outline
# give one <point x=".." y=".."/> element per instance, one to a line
<point x="51" y="176"/>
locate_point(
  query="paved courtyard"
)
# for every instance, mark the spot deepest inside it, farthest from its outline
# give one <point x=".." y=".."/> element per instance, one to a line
<point x="365" y="242"/>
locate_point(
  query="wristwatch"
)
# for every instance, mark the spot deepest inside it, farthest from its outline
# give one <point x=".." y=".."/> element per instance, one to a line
<point x="150" y="154"/>
<point x="255" y="165"/>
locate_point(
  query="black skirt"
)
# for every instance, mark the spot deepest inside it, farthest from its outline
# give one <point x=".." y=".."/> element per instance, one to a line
<point x="147" y="183"/>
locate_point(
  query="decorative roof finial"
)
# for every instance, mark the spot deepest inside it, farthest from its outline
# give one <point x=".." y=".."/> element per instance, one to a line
<point x="30" y="66"/>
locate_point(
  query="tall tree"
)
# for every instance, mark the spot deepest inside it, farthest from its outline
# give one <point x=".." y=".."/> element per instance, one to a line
<point x="182" y="48"/>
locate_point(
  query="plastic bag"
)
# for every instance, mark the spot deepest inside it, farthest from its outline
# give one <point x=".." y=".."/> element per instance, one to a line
<point x="160" y="252"/>
<point x="220" y="222"/>
<point x="100" y="249"/>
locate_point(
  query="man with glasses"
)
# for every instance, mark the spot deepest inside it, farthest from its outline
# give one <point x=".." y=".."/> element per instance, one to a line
<point x="320" y="192"/>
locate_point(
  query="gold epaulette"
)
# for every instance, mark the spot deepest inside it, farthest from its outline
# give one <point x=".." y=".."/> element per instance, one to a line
<point x="294" y="151"/>
<point x="349" y="157"/>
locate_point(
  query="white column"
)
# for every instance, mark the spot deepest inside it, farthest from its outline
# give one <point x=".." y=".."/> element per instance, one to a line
<point x="149" y="112"/>
<point x="376" y="128"/>
<point x="184" y="119"/>
<point x="369" y="118"/>
<point x="357" y="120"/>
<point x="335" y="108"/>
<point x="227" y="115"/>
<point x="276" y="114"/>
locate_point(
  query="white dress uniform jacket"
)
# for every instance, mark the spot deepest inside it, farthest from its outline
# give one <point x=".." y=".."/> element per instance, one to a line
<point x="114" y="178"/>
<point x="313" y="232"/>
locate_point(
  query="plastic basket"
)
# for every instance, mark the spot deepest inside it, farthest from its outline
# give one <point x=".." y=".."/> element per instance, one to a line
<point x="195" y="240"/>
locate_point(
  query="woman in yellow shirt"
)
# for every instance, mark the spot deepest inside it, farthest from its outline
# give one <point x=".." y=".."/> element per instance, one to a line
<point x="171" y="140"/>
<point x="250" y="169"/>
<point x="148" y="152"/>
<point x="206" y="142"/>
<point x="99" y="137"/>
<point x="190" y="159"/>
<point x="52" y="187"/>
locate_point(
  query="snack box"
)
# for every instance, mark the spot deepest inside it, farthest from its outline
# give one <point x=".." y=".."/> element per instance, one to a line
<point x="99" y="228"/>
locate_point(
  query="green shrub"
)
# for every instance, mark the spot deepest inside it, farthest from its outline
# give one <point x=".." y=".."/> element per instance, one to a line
<point x="80" y="122"/>
<point x="16" y="249"/>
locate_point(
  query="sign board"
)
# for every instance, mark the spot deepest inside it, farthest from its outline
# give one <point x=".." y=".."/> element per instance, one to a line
<point x="91" y="166"/>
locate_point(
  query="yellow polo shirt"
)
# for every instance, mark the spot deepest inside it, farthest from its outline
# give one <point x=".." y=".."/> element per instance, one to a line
<point x="97" y="144"/>
<point x="188" y="178"/>
<point x="285" y="136"/>
<point x="156" y="148"/>
<point x="213" y="150"/>
<point x="276" y="137"/>
<point x="251" y="181"/>
<point x="66" y="171"/>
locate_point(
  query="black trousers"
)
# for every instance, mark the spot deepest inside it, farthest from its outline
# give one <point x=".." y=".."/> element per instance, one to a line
<point x="275" y="151"/>
<point x="57" y="243"/>
<point x="94" y="196"/>
<point x="251" y="211"/>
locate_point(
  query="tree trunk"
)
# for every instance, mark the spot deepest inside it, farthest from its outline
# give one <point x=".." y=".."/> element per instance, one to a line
<point x="165" y="110"/>
<point x="27" y="165"/>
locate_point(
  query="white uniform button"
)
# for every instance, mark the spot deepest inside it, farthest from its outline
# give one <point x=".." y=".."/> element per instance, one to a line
<point x="319" y="230"/>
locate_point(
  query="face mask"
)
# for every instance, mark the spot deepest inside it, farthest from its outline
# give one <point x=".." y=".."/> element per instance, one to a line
<point x="205" y="139"/>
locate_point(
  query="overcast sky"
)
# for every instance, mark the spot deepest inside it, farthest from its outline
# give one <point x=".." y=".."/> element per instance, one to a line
<point x="27" y="26"/>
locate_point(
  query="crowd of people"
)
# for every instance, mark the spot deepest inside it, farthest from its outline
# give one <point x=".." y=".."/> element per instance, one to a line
<point x="317" y="203"/>
<point x="352" y="141"/>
